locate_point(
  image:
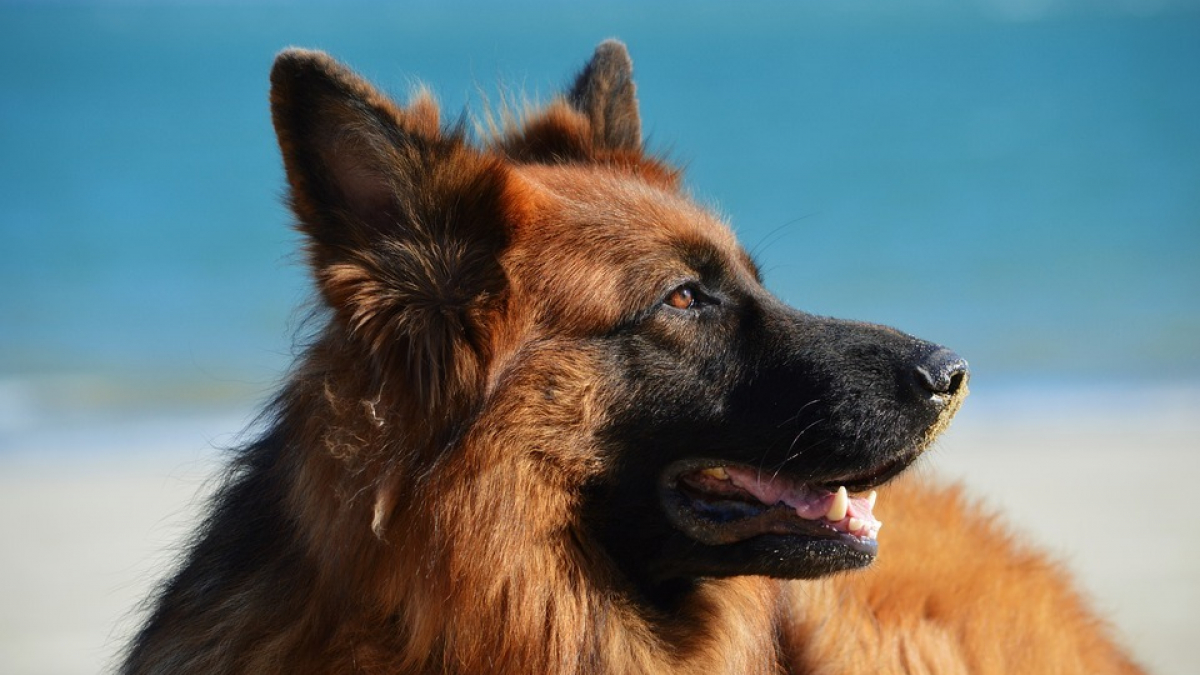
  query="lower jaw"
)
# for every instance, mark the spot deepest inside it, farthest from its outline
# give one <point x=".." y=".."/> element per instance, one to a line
<point x="768" y="555"/>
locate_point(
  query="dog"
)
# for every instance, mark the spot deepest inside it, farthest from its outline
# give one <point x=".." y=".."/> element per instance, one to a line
<point x="554" y="423"/>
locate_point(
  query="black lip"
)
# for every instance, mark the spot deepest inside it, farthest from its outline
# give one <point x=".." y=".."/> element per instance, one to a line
<point x="872" y="478"/>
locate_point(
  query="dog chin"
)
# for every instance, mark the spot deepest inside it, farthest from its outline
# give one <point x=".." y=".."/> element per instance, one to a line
<point x="768" y="555"/>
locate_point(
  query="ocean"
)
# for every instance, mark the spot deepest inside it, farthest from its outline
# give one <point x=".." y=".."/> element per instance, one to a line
<point x="1017" y="180"/>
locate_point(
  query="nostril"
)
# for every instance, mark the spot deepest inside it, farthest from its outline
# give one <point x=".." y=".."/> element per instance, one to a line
<point x="958" y="379"/>
<point x="943" y="372"/>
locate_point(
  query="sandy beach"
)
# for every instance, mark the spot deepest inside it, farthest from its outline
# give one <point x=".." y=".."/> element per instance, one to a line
<point x="92" y="511"/>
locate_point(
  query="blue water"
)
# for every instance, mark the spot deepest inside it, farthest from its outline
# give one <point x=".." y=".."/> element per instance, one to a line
<point x="1022" y="185"/>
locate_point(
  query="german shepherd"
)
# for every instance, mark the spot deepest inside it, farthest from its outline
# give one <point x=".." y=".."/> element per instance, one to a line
<point x="554" y="423"/>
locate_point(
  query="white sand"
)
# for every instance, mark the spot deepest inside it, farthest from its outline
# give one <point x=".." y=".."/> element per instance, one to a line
<point x="1101" y="478"/>
<point x="1108" y="492"/>
<point x="90" y="514"/>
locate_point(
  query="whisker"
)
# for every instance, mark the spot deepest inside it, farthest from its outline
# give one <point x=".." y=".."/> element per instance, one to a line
<point x="791" y="451"/>
<point x="793" y="418"/>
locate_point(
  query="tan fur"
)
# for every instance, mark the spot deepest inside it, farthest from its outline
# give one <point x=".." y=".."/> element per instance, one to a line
<point x="951" y="592"/>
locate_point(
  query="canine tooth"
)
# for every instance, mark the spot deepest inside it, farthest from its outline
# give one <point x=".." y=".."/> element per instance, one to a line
<point x="854" y="525"/>
<point x="839" y="505"/>
<point x="871" y="498"/>
<point x="872" y="534"/>
<point x="717" y="472"/>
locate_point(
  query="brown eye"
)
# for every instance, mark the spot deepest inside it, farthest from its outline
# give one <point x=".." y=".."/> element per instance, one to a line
<point x="682" y="298"/>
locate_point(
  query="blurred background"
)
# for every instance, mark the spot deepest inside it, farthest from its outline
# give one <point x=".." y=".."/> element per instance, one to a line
<point x="1016" y="179"/>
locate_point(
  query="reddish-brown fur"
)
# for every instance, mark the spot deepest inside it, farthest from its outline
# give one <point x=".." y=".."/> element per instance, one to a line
<point x="415" y="508"/>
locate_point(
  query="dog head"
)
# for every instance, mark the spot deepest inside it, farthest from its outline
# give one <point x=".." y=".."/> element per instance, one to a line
<point x="562" y="349"/>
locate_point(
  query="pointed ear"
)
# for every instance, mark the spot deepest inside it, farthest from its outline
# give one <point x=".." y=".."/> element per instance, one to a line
<point x="342" y="143"/>
<point x="604" y="91"/>
<point x="405" y="223"/>
<point x="596" y="122"/>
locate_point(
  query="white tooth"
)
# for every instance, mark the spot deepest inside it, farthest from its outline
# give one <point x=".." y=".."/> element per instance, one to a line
<point x="871" y="498"/>
<point x="873" y="534"/>
<point x="838" y="507"/>
<point x="717" y="472"/>
<point x="854" y="525"/>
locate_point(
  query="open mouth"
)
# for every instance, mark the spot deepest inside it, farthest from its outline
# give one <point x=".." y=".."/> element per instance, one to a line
<point x="719" y="504"/>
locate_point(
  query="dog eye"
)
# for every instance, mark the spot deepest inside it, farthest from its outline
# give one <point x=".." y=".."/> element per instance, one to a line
<point x="684" y="297"/>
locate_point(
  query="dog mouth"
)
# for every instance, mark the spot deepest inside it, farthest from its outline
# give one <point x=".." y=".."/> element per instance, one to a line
<point x="718" y="503"/>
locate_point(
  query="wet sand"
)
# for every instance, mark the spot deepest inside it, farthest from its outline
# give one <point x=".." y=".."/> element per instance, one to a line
<point x="90" y="514"/>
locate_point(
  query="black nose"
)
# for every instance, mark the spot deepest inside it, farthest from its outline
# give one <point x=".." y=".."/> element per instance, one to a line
<point x="942" y="372"/>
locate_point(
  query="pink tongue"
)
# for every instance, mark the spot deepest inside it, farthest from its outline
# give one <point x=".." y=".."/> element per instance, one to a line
<point x="810" y="503"/>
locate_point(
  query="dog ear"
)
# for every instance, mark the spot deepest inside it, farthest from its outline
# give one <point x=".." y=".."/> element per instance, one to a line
<point x="404" y="222"/>
<point x="604" y="91"/>
<point x="596" y="122"/>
